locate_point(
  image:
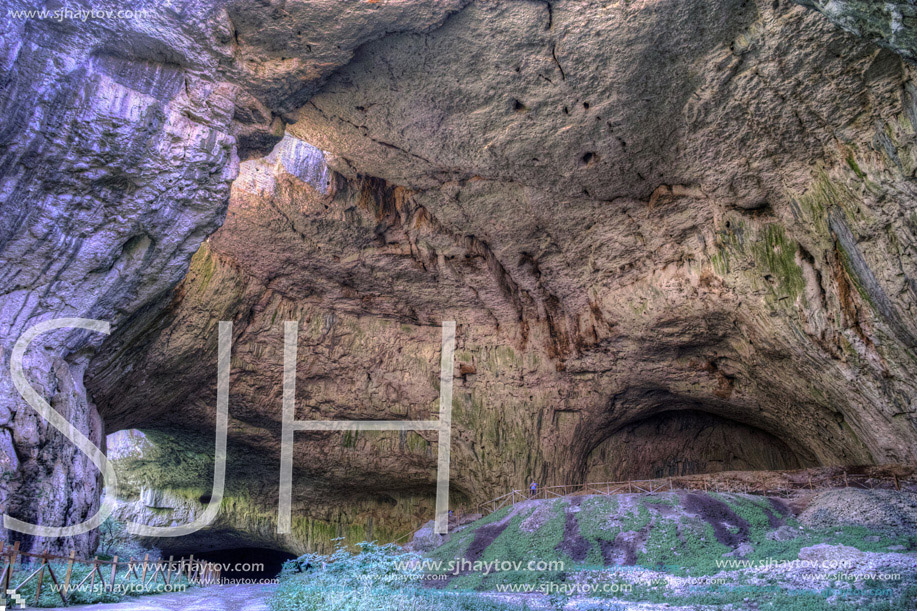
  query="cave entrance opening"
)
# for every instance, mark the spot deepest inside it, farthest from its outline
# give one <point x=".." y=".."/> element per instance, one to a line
<point x="247" y="562"/>
<point x="678" y="442"/>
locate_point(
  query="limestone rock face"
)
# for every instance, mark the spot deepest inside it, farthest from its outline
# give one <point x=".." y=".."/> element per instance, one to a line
<point x="890" y="24"/>
<point x="687" y="220"/>
<point x="661" y="262"/>
<point x="119" y="139"/>
<point x="701" y="216"/>
<point x="111" y="179"/>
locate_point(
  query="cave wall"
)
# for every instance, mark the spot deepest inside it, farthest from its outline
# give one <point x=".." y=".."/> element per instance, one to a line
<point x="109" y="184"/>
<point x="118" y="143"/>
<point x="741" y="199"/>
<point x="629" y="209"/>
<point x="684" y="443"/>
<point x="889" y="24"/>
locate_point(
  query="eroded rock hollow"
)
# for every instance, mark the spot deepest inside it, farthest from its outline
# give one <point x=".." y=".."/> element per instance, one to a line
<point x="677" y="237"/>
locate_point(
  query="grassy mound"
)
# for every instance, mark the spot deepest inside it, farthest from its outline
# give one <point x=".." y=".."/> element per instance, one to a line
<point x="670" y="546"/>
<point x="679" y="533"/>
<point x="687" y="550"/>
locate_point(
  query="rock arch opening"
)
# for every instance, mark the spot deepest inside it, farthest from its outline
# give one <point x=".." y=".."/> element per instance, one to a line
<point x="686" y="442"/>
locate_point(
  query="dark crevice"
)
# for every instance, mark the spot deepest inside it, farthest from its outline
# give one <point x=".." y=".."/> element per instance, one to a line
<point x="563" y="75"/>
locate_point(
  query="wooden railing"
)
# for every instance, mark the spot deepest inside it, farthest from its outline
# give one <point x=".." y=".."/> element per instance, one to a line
<point x="144" y="573"/>
<point x="550" y="492"/>
<point x="657" y="485"/>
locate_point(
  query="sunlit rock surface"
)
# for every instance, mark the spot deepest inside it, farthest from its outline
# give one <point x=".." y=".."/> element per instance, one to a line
<point x="890" y="24"/>
<point x="118" y="142"/>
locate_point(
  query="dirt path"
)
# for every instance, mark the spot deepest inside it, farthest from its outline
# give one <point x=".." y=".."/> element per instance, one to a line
<point x="212" y="598"/>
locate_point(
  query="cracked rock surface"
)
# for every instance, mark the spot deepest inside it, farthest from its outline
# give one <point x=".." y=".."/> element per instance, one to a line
<point x="118" y="144"/>
<point x="677" y="237"/>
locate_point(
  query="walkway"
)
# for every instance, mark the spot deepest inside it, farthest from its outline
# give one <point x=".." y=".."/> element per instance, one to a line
<point x="760" y="482"/>
<point x="212" y="598"/>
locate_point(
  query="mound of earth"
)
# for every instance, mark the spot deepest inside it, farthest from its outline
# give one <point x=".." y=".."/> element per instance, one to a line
<point x="691" y="550"/>
<point x="885" y="509"/>
<point x="625" y="529"/>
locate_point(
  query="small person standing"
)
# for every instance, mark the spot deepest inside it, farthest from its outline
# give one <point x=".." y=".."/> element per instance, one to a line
<point x="534" y="488"/>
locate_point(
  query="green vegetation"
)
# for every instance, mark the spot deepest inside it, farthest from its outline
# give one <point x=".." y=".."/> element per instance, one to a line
<point x="855" y="167"/>
<point x="349" y="439"/>
<point x="658" y="548"/>
<point x="683" y="544"/>
<point x="777" y="254"/>
<point x="203" y="264"/>
<point x="765" y="252"/>
<point x="659" y="533"/>
<point x="181" y="467"/>
<point x="91" y="591"/>
<point x="379" y="578"/>
<point x="114" y="540"/>
<point x="823" y="195"/>
<point x="511" y="544"/>
<point x="780" y="598"/>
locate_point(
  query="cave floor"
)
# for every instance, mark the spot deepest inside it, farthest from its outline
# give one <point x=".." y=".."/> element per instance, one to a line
<point x="247" y="597"/>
